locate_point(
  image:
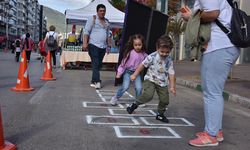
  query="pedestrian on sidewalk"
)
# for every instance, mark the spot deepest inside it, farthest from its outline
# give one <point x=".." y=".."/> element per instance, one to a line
<point x="97" y="41"/>
<point x="51" y="41"/>
<point x="160" y="70"/>
<point x="133" y="56"/>
<point x="42" y="49"/>
<point x="217" y="60"/>
<point x="17" y="49"/>
<point x="27" y="44"/>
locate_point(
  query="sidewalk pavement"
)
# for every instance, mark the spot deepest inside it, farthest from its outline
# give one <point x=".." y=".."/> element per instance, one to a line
<point x="237" y="89"/>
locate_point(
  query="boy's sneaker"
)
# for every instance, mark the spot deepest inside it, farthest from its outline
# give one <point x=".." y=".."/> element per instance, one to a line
<point x="113" y="101"/>
<point x="204" y="140"/>
<point x="92" y="85"/>
<point x="162" y="118"/>
<point x="219" y="136"/>
<point x="131" y="108"/>
<point x="98" y="85"/>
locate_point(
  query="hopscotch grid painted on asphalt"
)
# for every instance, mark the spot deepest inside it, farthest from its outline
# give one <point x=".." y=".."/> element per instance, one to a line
<point x="116" y="120"/>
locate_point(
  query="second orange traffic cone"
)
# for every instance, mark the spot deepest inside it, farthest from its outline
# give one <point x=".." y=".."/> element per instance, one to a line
<point x="47" y="75"/>
<point x="23" y="83"/>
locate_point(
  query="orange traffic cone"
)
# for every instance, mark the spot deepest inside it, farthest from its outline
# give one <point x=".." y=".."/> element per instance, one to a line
<point x="4" y="145"/>
<point x="23" y="83"/>
<point x="47" y="75"/>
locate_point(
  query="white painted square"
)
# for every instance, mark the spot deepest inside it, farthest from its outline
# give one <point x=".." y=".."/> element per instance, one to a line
<point x="145" y="132"/>
<point x="123" y="112"/>
<point x="111" y="120"/>
<point x="147" y="106"/>
<point x="100" y="105"/>
<point x="154" y="122"/>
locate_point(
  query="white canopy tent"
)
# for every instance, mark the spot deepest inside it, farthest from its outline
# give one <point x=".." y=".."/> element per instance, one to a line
<point x="80" y="16"/>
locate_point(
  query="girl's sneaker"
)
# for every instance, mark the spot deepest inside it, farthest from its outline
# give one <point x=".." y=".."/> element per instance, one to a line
<point x="204" y="140"/>
<point x="219" y="136"/>
<point x="113" y="101"/>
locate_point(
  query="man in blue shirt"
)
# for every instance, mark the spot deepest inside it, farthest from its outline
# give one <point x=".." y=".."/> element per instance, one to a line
<point x="97" y="41"/>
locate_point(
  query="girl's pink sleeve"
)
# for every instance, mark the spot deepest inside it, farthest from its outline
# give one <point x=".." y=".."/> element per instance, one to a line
<point x="121" y="68"/>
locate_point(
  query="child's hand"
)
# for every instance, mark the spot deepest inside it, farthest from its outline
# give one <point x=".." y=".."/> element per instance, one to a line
<point x="185" y="13"/>
<point x="173" y="91"/>
<point x="118" y="76"/>
<point x="132" y="77"/>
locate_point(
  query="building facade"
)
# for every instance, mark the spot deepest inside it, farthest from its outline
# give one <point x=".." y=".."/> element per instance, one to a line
<point x="17" y="17"/>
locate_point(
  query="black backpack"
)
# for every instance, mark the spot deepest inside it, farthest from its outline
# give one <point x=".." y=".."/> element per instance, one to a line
<point x="240" y="27"/>
<point x="51" y="41"/>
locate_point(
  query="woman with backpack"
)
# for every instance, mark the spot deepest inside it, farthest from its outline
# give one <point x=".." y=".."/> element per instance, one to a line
<point x="51" y="39"/>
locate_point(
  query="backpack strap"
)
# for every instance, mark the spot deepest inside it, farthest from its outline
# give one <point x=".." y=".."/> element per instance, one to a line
<point x="93" y="23"/>
<point x="222" y="27"/>
<point x="231" y="3"/>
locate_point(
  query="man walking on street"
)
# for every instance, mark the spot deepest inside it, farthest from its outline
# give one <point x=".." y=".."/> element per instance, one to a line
<point x="97" y="41"/>
<point x="217" y="61"/>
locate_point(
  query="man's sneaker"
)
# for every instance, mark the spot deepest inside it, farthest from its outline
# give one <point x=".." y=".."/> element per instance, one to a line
<point x="131" y="108"/>
<point x="204" y="140"/>
<point x="219" y="136"/>
<point x="92" y="85"/>
<point x="162" y="118"/>
<point x="113" y="101"/>
<point x="98" y="85"/>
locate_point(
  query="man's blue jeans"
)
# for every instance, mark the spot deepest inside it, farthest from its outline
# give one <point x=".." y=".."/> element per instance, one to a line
<point x="96" y="54"/>
<point x="126" y="82"/>
<point x="215" y="68"/>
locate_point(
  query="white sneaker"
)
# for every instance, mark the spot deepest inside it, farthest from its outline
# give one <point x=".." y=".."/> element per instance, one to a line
<point x="98" y="85"/>
<point x="92" y="85"/>
<point x="113" y="101"/>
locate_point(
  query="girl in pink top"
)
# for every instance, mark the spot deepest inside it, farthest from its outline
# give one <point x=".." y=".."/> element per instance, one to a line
<point x="133" y="56"/>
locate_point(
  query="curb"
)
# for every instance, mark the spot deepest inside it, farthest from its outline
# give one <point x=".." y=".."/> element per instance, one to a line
<point x="230" y="97"/>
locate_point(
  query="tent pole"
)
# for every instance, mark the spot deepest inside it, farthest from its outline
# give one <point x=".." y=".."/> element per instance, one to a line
<point x="66" y="34"/>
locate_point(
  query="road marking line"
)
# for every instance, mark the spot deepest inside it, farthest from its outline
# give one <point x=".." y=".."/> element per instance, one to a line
<point x="188" y="124"/>
<point x="100" y="95"/>
<point x="129" y="94"/>
<point x="111" y="111"/>
<point x="105" y="105"/>
<point x="120" y="135"/>
<point x="90" y="118"/>
<point x="39" y="96"/>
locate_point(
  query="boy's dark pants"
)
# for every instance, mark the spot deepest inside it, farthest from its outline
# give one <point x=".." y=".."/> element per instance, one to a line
<point x="148" y="92"/>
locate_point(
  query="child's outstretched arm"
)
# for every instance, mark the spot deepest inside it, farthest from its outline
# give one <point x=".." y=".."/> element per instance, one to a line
<point x="172" y="86"/>
<point x="137" y="72"/>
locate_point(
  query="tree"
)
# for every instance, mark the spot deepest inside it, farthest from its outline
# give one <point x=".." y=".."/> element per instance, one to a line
<point x="119" y="4"/>
<point x="173" y="7"/>
<point x="175" y="27"/>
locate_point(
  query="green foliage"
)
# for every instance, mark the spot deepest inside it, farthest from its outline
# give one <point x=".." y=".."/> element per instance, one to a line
<point x="119" y="4"/>
<point x="173" y="7"/>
